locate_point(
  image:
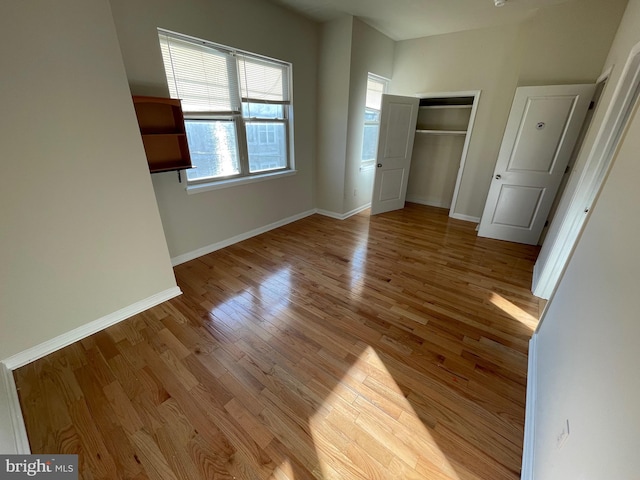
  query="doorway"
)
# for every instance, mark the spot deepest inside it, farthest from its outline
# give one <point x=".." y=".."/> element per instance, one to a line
<point x="570" y="219"/>
<point x="595" y="101"/>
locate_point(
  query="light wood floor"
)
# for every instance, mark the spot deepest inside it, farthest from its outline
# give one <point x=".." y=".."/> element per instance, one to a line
<point x="391" y="347"/>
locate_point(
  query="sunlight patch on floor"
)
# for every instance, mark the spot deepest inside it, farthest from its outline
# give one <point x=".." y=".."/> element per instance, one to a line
<point x="514" y="311"/>
<point x="284" y="471"/>
<point x="273" y="292"/>
<point x="276" y="289"/>
<point x="358" y="267"/>
<point x="367" y="428"/>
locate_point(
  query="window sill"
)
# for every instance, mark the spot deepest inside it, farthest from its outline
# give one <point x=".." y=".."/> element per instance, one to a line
<point x="217" y="185"/>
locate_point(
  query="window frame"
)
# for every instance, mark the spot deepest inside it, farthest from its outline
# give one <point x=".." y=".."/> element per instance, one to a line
<point x="240" y="121"/>
<point x="370" y="162"/>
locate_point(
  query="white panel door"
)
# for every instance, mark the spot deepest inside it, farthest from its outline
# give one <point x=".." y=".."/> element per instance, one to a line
<point x="398" y="117"/>
<point x="541" y="132"/>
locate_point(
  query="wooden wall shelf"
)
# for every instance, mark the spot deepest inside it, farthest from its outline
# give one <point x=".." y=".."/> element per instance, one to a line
<point x="163" y="133"/>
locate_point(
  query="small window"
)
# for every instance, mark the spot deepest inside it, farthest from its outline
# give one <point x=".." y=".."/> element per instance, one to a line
<point x="236" y="107"/>
<point x="376" y="86"/>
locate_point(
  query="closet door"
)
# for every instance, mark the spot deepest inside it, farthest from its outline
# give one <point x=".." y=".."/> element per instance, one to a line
<point x="395" y="145"/>
<point x="541" y="133"/>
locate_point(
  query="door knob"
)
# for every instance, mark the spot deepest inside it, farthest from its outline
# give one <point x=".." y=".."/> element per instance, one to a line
<point x="379" y="165"/>
<point x="498" y="177"/>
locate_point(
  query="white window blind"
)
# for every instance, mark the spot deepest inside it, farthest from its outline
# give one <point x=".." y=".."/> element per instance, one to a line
<point x="375" y="88"/>
<point x="263" y="81"/>
<point x="202" y="77"/>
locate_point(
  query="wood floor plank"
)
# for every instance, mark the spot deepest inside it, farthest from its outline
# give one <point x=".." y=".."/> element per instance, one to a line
<point x="381" y="347"/>
<point x="116" y="440"/>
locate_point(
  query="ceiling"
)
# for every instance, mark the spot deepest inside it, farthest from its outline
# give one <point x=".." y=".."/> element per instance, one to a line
<point x="406" y="19"/>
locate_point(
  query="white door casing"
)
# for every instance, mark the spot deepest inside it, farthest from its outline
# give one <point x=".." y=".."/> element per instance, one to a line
<point x="395" y="145"/>
<point x="541" y="131"/>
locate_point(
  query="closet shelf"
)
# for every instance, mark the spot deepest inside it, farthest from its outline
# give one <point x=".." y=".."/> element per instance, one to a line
<point x="442" y="107"/>
<point x="442" y="132"/>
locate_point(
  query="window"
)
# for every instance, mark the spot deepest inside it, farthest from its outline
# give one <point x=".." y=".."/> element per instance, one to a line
<point x="236" y="107"/>
<point x="376" y="86"/>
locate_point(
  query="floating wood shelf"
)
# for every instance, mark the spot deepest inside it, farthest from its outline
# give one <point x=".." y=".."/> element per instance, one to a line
<point x="163" y="133"/>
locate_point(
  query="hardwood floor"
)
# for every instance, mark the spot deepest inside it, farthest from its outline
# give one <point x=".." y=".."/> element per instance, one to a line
<point x="390" y="347"/>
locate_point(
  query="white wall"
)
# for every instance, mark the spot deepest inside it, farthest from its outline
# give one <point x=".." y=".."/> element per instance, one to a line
<point x="196" y="221"/>
<point x="81" y="235"/>
<point x="587" y="352"/>
<point x="559" y="45"/>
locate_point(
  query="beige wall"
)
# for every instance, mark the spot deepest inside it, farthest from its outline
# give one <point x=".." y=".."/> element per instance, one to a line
<point x="614" y="63"/>
<point x="81" y="235"/>
<point x="196" y="221"/>
<point x="372" y="52"/>
<point x="484" y="60"/>
<point x="434" y="169"/>
<point x="587" y="342"/>
<point x="561" y="44"/>
<point x="350" y="50"/>
<point x="568" y="43"/>
<point x="333" y="112"/>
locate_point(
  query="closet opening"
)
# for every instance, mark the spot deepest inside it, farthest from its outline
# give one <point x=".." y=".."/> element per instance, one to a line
<point x="443" y="131"/>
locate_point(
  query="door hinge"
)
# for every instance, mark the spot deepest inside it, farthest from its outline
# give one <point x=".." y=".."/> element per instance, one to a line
<point x="566" y="170"/>
<point x="546" y="224"/>
<point x="591" y="105"/>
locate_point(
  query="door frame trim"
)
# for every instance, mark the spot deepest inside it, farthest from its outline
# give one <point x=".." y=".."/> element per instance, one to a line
<point x="528" y="449"/>
<point x="593" y="176"/>
<point x="465" y="149"/>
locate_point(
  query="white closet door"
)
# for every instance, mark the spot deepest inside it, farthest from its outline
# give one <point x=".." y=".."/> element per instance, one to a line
<point x="395" y="146"/>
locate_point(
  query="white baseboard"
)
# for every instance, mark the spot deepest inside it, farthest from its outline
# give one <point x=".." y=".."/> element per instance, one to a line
<point x="438" y="203"/>
<point x="466" y="218"/>
<point x="355" y="211"/>
<point x="61" y="341"/>
<point x="529" y="421"/>
<point x="327" y="213"/>
<point x="344" y="216"/>
<point x="13" y="434"/>
<point x="185" y="257"/>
